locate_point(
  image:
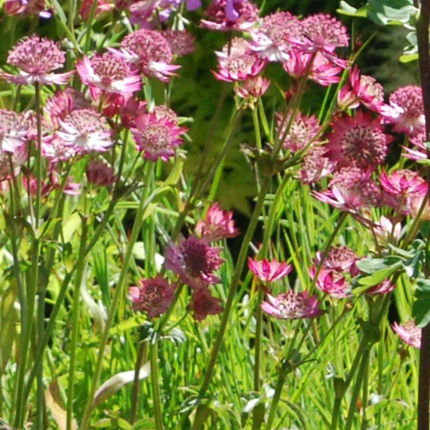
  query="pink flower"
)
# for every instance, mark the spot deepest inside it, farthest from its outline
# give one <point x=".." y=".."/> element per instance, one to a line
<point x="358" y="141"/>
<point x="361" y="89"/>
<point x="268" y="271"/>
<point x="239" y="63"/>
<point x="36" y="58"/>
<point x="149" y="51"/>
<point x="86" y="131"/>
<point x="315" y="165"/>
<point x="420" y="150"/>
<point x="156" y="136"/>
<point x="406" y="110"/>
<point x="86" y="6"/>
<point x="153" y="296"/>
<point x="384" y="287"/>
<point x="100" y="174"/>
<point x="194" y="261"/>
<point x="409" y="333"/>
<point x="228" y="15"/>
<point x="217" y="225"/>
<point x="292" y="305"/>
<point x="302" y="131"/>
<point x="10" y="163"/>
<point x="204" y="304"/>
<point x="387" y="231"/>
<point x="270" y="39"/>
<point x="252" y="89"/>
<point x="331" y="282"/>
<point x="339" y="258"/>
<point x="13" y="132"/>
<point x="351" y="190"/>
<point x="181" y="42"/>
<point x="322" y="33"/>
<point x="109" y="74"/>
<point x="26" y="7"/>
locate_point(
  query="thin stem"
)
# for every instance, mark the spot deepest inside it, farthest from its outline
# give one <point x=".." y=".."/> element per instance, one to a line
<point x="156" y="397"/>
<point x="141" y="354"/>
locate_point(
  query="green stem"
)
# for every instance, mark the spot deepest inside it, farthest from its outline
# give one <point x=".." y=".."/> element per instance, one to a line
<point x="75" y="325"/>
<point x="141" y="353"/>
<point x="114" y="304"/>
<point x="156" y="396"/>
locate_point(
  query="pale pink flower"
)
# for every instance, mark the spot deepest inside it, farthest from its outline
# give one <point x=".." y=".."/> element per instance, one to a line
<point x="228" y="15"/>
<point x="56" y="150"/>
<point x="101" y="7"/>
<point x="252" y="89"/>
<point x="315" y="165"/>
<point x="420" y="149"/>
<point x="388" y="230"/>
<point x="203" y="304"/>
<point x="36" y="58"/>
<point x="156" y="136"/>
<point x="331" y="282"/>
<point x="100" y="174"/>
<point x="361" y="90"/>
<point x="409" y="333"/>
<point x="108" y="73"/>
<point x="358" y="141"/>
<point x="321" y="71"/>
<point x="217" y="225"/>
<point x="406" y="110"/>
<point x="86" y="131"/>
<point x="292" y="305"/>
<point x="268" y="271"/>
<point x="13" y="132"/>
<point x="417" y="209"/>
<point x="181" y="42"/>
<point x="351" y="190"/>
<point x="149" y="51"/>
<point x="322" y="33"/>
<point x="339" y="258"/>
<point x="153" y="296"/>
<point x="10" y="163"/>
<point x="270" y="40"/>
<point x="194" y="261"/>
<point x="302" y="131"/>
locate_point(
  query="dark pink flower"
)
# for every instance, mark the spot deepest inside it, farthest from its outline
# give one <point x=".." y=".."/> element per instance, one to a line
<point x="217" y="225"/>
<point x="156" y="136"/>
<point x="36" y="58"/>
<point x="149" y="51"/>
<point x="270" y="40"/>
<point x="204" y="304"/>
<point x="331" y="282"/>
<point x="101" y="7"/>
<point x="358" y="141"/>
<point x="339" y="258"/>
<point x="419" y="152"/>
<point x="154" y="296"/>
<point x="315" y="165"/>
<point x="194" y="261"/>
<point x="361" y="90"/>
<point x="26" y="7"/>
<point x="228" y="15"/>
<point x="100" y="174"/>
<point x="268" y="271"/>
<point x="409" y="333"/>
<point x="406" y="110"/>
<point x="292" y="305"/>
<point x="109" y="74"/>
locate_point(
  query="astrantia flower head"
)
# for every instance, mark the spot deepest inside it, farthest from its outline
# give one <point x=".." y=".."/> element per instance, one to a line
<point x="315" y="165"/>
<point x="86" y="131"/>
<point x="204" y="304"/>
<point x="228" y="15"/>
<point x="409" y="333"/>
<point x="384" y="287"/>
<point x="252" y="89"/>
<point x="339" y="258"/>
<point x="194" y="260"/>
<point x="36" y="58"/>
<point x="26" y="7"/>
<point x="218" y="224"/>
<point x="102" y="6"/>
<point x="406" y="110"/>
<point x="388" y="230"/>
<point x="181" y="42"/>
<point x="351" y="190"/>
<point x="292" y="305"/>
<point x="17" y="158"/>
<point x="100" y="174"/>
<point x="12" y="131"/>
<point x="108" y="73"/>
<point x="358" y="141"/>
<point x="156" y="136"/>
<point x="153" y="296"/>
<point x="268" y="271"/>
<point x="270" y="40"/>
<point x="322" y="33"/>
<point x="149" y="51"/>
<point x="302" y="131"/>
<point x="331" y="282"/>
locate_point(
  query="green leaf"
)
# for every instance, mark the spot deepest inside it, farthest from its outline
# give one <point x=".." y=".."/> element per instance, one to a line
<point x="346" y="9"/>
<point x="407" y="58"/>
<point x="378" y="276"/>
<point x="421" y="307"/>
<point x="392" y="12"/>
